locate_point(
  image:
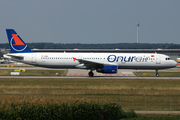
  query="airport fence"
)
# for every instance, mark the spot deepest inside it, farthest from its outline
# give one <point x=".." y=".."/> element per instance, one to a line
<point x="128" y="99"/>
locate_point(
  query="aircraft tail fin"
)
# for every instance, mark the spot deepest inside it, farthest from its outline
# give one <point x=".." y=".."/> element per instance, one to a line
<point x="16" y="44"/>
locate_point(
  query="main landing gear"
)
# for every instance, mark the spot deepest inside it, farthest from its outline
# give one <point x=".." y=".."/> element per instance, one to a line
<point x="91" y="74"/>
<point x="157" y="75"/>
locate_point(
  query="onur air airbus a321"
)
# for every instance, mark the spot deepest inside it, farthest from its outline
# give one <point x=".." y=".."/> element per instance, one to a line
<point x="107" y="63"/>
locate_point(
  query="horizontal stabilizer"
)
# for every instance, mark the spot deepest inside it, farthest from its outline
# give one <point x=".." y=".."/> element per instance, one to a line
<point x="10" y="56"/>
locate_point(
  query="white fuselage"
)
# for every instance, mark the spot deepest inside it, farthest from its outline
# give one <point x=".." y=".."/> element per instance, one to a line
<point x="122" y="60"/>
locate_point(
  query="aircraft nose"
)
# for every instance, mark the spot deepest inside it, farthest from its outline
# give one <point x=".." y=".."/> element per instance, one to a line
<point x="174" y="63"/>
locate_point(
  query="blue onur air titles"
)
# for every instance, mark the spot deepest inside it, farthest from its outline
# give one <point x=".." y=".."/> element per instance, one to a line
<point x="16" y="44"/>
<point x="114" y="58"/>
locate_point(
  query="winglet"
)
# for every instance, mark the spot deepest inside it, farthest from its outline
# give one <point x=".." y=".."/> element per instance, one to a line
<point x="16" y="44"/>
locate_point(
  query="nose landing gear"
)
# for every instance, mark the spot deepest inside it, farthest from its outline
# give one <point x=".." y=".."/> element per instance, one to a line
<point x="157" y="75"/>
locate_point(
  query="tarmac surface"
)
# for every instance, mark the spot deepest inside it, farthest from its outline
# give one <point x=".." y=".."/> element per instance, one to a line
<point x="157" y="112"/>
<point x="79" y="73"/>
<point x="100" y="77"/>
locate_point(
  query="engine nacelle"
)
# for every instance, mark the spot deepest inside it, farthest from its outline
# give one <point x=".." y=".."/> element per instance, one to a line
<point x="108" y="69"/>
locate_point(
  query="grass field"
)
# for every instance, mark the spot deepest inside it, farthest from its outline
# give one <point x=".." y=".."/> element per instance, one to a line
<point x="129" y="93"/>
<point x="35" y="72"/>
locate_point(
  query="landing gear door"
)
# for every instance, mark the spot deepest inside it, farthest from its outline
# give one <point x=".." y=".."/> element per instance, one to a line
<point x="33" y="58"/>
<point x="158" y="59"/>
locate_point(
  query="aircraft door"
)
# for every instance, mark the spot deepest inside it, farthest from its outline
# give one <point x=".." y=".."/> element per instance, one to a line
<point x="158" y="59"/>
<point x="33" y="58"/>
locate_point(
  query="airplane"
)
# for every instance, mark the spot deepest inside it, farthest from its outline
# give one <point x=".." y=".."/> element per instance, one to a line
<point x="107" y="63"/>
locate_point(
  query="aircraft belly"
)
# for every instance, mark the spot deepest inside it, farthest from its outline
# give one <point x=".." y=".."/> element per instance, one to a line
<point x="57" y="64"/>
<point x="142" y="66"/>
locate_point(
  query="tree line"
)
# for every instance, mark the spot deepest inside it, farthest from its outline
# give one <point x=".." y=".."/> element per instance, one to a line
<point x="98" y="46"/>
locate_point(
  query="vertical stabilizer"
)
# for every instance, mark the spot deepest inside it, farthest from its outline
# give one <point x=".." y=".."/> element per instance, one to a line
<point x="16" y="44"/>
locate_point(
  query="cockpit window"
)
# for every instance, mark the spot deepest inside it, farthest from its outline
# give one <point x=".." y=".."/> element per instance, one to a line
<point x="168" y="59"/>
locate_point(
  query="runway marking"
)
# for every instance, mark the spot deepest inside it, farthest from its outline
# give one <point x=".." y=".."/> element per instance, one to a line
<point x="101" y="75"/>
<point x="77" y="75"/>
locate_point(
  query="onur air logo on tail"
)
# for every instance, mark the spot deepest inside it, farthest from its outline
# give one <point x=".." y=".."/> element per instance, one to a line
<point x="17" y="44"/>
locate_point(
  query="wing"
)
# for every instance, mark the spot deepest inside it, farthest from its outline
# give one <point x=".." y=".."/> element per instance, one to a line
<point x="90" y="64"/>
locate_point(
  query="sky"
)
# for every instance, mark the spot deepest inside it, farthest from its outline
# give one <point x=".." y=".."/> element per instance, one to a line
<point x="91" y="21"/>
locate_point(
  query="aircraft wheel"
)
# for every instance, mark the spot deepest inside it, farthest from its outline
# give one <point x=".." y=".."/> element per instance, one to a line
<point x="91" y="74"/>
<point x="157" y="75"/>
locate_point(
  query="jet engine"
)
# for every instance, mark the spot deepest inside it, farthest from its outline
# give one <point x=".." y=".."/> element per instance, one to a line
<point x="108" y="69"/>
